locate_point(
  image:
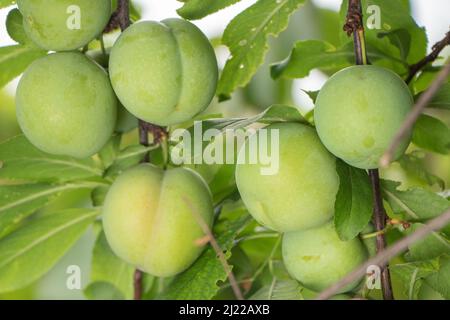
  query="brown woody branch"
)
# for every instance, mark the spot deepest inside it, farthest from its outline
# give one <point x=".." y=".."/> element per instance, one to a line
<point x="354" y="25"/>
<point x="415" y="113"/>
<point x="379" y="220"/>
<point x="120" y="18"/>
<point x="383" y="257"/>
<point x="209" y="237"/>
<point x="436" y="50"/>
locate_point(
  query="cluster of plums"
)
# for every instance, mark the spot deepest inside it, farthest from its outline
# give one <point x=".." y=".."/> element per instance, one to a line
<point x="357" y="113"/>
<point x="166" y="73"/>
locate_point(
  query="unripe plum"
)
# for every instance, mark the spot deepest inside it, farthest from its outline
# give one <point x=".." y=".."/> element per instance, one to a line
<point x="318" y="258"/>
<point x="66" y="106"/>
<point x="164" y="72"/>
<point x="301" y="194"/>
<point x="358" y="112"/>
<point x="53" y="24"/>
<point x="149" y="218"/>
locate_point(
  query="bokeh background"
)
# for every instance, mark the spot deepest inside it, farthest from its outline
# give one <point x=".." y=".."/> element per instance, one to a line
<point x="317" y="20"/>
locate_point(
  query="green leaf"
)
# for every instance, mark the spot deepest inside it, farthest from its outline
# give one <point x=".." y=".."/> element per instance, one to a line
<point x="396" y="16"/>
<point x="431" y="134"/>
<point x="20" y="201"/>
<point x="197" y="9"/>
<point x="399" y="38"/>
<point x="109" y="271"/>
<point x="413" y="164"/>
<point x="432" y="246"/>
<point x="15" y="59"/>
<point x="33" y="250"/>
<point x="273" y="114"/>
<point x="316" y="54"/>
<point x="312" y="54"/>
<point x="411" y="275"/>
<point x="440" y="281"/>
<point x="22" y="161"/>
<point x="353" y="206"/>
<point x="200" y="281"/>
<point x="110" y="151"/>
<point x="6" y="3"/>
<point x="279" y="290"/>
<point x="441" y="99"/>
<point x="128" y="157"/>
<point x="246" y="37"/>
<point x="415" y="204"/>
<point x="14" y="26"/>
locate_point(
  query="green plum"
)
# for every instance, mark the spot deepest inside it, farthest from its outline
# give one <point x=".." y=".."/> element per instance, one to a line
<point x="317" y="258"/>
<point x="66" y="106"/>
<point x="164" y="72"/>
<point x="64" y="25"/>
<point x="358" y="112"/>
<point x="150" y="218"/>
<point x="301" y="194"/>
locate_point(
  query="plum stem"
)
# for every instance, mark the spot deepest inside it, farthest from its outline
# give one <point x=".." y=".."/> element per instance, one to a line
<point x="436" y="50"/>
<point x="355" y="25"/>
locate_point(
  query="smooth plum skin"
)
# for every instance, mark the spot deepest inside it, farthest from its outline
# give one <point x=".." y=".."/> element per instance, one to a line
<point x="164" y="72"/>
<point x="66" y="105"/>
<point x="302" y="194"/>
<point x="358" y="112"/>
<point x="149" y="221"/>
<point x="45" y="22"/>
<point x="317" y="258"/>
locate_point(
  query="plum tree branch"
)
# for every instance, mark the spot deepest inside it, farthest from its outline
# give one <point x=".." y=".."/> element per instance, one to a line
<point x="436" y="50"/>
<point x="120" y="17"/>
<point x="383" y="257"/>
<point x="354" y="25"/>
<point x="379" y="220"/>
<point x="415" y="113"/>
<point x="212" y="240"/>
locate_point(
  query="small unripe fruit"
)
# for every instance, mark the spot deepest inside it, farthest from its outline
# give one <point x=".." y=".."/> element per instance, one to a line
<point x="64" y="25"/>
<point x="301" y="194"/>
<point x="358" y="112"/>
<point x="164" y="72"/>
<point x="317" y="258"/>
<point x="66" y="106"/>
<point x="150" y="218"/>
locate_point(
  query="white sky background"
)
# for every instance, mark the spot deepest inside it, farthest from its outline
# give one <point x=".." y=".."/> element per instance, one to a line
<point x="433" y="14"/>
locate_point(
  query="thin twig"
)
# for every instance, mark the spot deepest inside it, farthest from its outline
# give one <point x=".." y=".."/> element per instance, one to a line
<point x="354" y="25"/>
<point x="212" y="240"/>
<point x="382" y="258"/>
<point x="120" y="18"/>
<point x="436" y="50"/>
<point x="379" y="220"/>
<point x="138" y="284"/>
<point x="415" y="113"/>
